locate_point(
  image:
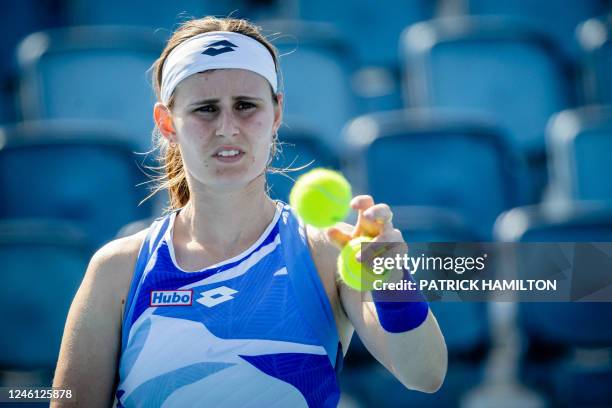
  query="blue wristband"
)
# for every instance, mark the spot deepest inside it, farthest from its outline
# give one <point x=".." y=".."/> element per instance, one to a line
<point x="407" y="309"/>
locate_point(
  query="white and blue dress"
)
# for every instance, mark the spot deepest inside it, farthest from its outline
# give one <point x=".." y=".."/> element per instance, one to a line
<point x="256" y="330"/>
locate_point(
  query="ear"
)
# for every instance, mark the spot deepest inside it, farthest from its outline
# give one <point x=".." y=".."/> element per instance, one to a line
<point x="163" y="120"/>
<point x="278" y="112"/>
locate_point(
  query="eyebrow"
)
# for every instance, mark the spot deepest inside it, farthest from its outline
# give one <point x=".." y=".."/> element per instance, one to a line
<point x="216" y="100"/>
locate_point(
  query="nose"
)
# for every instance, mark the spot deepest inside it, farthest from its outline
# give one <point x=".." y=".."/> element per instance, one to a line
<point x="226" y="124"/>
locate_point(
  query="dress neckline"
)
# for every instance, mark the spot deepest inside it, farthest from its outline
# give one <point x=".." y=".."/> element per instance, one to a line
<point x="170" y="234"/>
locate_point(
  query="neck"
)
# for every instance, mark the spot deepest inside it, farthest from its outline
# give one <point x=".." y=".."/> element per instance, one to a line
<point x="226" y="218"/>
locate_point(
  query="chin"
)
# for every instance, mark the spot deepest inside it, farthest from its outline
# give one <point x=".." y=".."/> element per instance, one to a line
<point x="227" y="180"/>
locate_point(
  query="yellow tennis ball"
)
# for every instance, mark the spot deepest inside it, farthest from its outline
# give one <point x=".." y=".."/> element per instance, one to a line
<point x="355" y="274"/>
<point x="321" y="197"/>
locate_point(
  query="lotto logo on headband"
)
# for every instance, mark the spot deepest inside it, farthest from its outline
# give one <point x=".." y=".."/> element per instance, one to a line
<point x="213" y="50"/>
<point x="219" y="47"/>
<point x="171" y="297"/>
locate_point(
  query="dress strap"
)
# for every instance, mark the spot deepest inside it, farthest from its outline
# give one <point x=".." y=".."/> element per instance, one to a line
<point x="307" y="285"/>
<point x="149" y="245"/>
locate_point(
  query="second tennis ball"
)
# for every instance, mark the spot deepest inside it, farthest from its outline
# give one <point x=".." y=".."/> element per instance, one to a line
<point x="355" y="274"/>
<point x="321" y="197"/>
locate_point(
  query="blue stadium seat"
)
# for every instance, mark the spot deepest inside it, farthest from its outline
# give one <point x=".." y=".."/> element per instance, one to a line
<point x="316" y="65"/>
<point x="579" y="145"/>
<point x="43" y="262"/>
<point x="431" y="224"/>
<point x="91" y="73"/>
<point x="298" y="148"/>
<point x="506" y="70"/>
<point x="61" y="171"/>
<point x="558" y="18"/>
<point x="373" y="31"/>
<point x="374" y="386"/>
<point x="155" y="14"/>
<point x="377" y="89"/>
<point x="574" y="324"/>
<point x="580" y="386"/>
<point x="134" y="227"/>
<point x="553" y="328"/>
<point x="373" y="35"/>
<point x="17" y="20"/>
<point x="595" y="38"/>
<point x="431" y="158"/>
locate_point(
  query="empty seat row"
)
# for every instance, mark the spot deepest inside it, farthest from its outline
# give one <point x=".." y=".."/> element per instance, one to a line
<point x="511" y="71"/>
<point x="43" y="263"/>
<point x="65" y="172"/>
<point x="556" y="334"/>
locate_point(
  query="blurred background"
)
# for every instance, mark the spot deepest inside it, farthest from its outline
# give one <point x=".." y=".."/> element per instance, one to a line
<point x="476" y="120"/>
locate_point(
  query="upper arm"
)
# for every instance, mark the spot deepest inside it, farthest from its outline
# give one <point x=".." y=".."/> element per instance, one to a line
<point x="89" y="352"/>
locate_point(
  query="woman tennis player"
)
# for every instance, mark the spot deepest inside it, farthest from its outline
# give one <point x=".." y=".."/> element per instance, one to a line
<point x="229" y="300"/>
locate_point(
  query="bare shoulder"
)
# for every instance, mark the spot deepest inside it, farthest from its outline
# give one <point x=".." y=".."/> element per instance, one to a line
<point x="325" y="256"/>
<point x="111" y="268"/>
<point x="119" y="252"/>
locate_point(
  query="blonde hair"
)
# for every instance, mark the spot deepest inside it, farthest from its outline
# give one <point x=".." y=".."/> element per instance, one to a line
<point x="172" y="173"/>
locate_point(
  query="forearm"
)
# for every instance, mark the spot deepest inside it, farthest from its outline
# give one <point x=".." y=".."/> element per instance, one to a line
<point x="418" y="357"/>
<point x="417" y="353"/>
<point x="86" y="364"/>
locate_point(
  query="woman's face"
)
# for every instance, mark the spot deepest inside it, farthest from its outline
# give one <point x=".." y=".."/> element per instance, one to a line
<point x="224" y="121"/>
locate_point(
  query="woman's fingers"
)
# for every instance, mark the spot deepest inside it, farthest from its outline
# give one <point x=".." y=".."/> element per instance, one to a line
<point x="364" y="226"/>
<point x="338" y="237"/>
<point x="379" y="213"/>
<point x="362" y="202"/>
<point x="375" y="220"/>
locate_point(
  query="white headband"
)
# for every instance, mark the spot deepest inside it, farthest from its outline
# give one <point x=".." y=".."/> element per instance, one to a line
<point x="215" y="50"/>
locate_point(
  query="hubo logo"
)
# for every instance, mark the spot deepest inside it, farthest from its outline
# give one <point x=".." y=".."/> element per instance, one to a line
<point x="215" y="296"/>
<point x="219" y="47"/>
<point x="171" y="297"/>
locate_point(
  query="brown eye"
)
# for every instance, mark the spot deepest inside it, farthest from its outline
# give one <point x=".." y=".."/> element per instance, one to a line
<point x="207" y="109"/>
<point x="244" y="106"/>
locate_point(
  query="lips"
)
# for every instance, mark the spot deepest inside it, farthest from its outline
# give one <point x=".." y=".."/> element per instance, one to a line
<point x="228" y="151"/>
<point x="228" y="154"/>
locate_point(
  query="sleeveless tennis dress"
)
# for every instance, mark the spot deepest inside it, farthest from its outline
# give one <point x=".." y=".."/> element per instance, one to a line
<point x="256" y="330"/>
